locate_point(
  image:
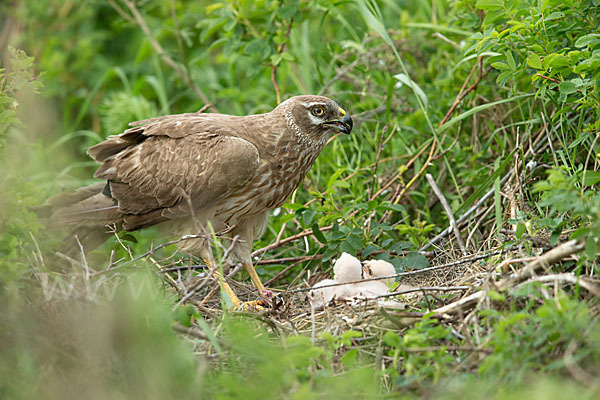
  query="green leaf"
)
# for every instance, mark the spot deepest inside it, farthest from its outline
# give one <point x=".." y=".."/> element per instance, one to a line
<point x="580" y="232"/>
<point x="213" y="7"/>
<point x="348" y="335"/>
<point x="591" y="178"/>
<point x="591" y="247"/>
<point x="393" y="207"/>
<point x="414" y="260"/>
<point x="346" y="247"/>
<point x="511" y="60"/>
<point x="318" y="234"/>
<point x="392" y="339"/>
<point x="500" y="66"/>
<point x="355" y="242"/>
<point x="367" y="251"/>
<point x="587" y="40"/>
<point x="521" y="229"/>
<point x="287" y="11"/>
<point x="534" y="61"/>
<point x="332" y="180"/>
<point x="405" y="80"/>
<point x="496" y="296"/>
<point x="329" y="253"/>
<point x="287" y="56"/>
<point x="349" y="359"/>
<point x="286" y="217"/>
<point x="554" y="15"/>
<point x="489" y="5"/>
<point x="292" y="206"/>
<point x="129" y="238"/>
<point x="556" y="61"/>
<point x="480" y="108"/>
<point x="308" y="216"/>
<point x="183" y="315"/>
<point x="567" y="87"/>
<point x="258" y="47"/>
<point x="374" y="22"/>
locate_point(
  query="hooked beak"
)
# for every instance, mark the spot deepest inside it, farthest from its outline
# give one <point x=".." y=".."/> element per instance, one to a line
<point x="344" y="124"/>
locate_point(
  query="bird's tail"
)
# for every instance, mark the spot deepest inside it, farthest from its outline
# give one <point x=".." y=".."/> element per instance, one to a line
<point x="86" y="213"/>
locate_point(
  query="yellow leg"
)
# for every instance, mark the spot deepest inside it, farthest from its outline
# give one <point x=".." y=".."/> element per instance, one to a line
<point x="254" y="277"/>
<point x="236" y="303"/>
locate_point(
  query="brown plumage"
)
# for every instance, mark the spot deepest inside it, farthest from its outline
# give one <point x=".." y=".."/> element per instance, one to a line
<point x="188" y="170"/>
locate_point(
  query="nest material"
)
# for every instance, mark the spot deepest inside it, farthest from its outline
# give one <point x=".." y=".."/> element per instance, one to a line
<point x="293" y="305"/>
<point x="440" y="288"/>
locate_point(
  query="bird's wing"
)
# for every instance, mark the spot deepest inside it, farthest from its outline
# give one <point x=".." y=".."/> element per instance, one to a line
<point x="158" y="168"/>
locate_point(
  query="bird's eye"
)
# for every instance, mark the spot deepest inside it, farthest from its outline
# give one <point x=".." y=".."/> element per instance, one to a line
<point x="318" y="111"/>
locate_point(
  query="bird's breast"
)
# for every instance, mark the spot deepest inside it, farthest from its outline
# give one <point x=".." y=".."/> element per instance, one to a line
<point x="275" y="180"/>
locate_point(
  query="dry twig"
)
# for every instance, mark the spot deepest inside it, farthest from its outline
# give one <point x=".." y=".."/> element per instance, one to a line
<point x="449" y="213"/>
<point x="551" y="257"/>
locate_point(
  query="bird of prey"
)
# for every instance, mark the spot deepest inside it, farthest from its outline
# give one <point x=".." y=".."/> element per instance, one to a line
<point x="190" y="172"/>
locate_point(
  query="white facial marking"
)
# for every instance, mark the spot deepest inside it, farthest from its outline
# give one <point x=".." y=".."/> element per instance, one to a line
<point x="314" y="103"/>
<point x="313" y="119"/>
<point x="289" y="118"/>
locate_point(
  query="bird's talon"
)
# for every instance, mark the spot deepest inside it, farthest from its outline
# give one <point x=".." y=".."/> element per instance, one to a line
<point x="254" y="305"/>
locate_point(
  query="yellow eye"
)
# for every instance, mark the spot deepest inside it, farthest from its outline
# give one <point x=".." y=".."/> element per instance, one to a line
<point x="318" y="111"/>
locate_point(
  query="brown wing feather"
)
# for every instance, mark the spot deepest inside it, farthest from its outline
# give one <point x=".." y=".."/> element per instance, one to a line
<point x="173" y="126"/>
<point x="151" y="174"/>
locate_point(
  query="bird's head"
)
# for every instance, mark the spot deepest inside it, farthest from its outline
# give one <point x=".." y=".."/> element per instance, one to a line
<point x="347" y="268"/>
<point x="378" y="268"/>
<point x="315" y="117"/>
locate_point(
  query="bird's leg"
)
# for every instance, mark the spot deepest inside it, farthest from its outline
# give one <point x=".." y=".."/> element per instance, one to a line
<point x="266" y="295"/>
<point x="254" y="277"/>
<point x="212" y="265"/>
<point x="236" y="303"/>
<point x="241" y="250"/>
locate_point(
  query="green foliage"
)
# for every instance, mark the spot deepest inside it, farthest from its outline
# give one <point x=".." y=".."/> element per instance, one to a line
<point x="118" y="108"/>
<point x="571" y="195"/>
<point x="431" y="361"/>
<point x="19" y="80"/>
<point x="260" y="369"/>
<point x="256" y="28"/>
<point x="526" y="76"/>
<point x="536" y="340"/>
<point x="550" y="46"/>
<point x="96" y="349"/>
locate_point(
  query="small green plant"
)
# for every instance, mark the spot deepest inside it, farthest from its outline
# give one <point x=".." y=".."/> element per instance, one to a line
<point x="18" y="80"/>
<point x="573" y="198"/>
<point x="420" y="352"/>
<point x="524" y="340"/>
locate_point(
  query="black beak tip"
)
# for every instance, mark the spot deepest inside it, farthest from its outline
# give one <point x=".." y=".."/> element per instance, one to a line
<point x="347" y="123"/>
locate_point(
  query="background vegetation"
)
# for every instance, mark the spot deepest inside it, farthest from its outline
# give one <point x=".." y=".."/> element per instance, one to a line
<point x="495" y="97"/>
